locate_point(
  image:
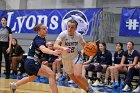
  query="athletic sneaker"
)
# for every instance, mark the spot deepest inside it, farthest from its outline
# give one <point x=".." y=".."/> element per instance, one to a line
<point x="137" y="90"/>
<point x="58" y="76"/>
<point x="114" y="85"/>
<point x="89" y="82"/>
<point x="90" y="90"/>
<point x="13" y="87"/>
<point x="105" y="84"/>
<point x="62" y="78"/>
<point x="71" y="81"/>
<point x="97" y="83"/>
<point x="126" y="88"/>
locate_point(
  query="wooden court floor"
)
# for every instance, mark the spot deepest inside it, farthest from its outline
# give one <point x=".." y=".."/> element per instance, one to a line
<point x="34" y="87"/>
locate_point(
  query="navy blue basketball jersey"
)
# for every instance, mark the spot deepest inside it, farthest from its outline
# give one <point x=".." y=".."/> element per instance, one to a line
<point x="105" y="58"/>
<point x="34" y="47"/>
<point x="130" y="57"/>
<point x="118" y="57"/>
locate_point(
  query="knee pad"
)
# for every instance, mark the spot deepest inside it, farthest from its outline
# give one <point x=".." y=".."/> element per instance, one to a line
<point x="91" y="67"/>
<point x="99" y="68"/>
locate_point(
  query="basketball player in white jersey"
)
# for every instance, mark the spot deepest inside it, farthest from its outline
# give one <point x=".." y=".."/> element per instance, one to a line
<point x="68" y="41"/>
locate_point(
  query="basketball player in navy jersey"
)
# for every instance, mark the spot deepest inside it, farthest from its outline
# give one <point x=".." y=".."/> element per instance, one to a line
<point x="32" y="65"/>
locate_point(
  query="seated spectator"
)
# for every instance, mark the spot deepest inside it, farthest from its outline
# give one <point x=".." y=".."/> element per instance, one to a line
<point x="134" y="71"/>
<point x="87" y="61"/>
<point x="129" y="59"/>
<point x="104" y="59"/>
<point x="16" y="55"/>
<point x="117" y="59"/>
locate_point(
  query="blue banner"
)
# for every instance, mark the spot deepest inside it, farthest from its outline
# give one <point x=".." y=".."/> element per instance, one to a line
<point x="130" y="25"/>
<point x="23" y="21"/>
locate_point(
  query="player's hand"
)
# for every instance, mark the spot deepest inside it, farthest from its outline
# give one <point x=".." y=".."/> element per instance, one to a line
<point x="96" y="64"/>
<point x="57" y="52"/>
<point x="137" y="66"/>
<point x="57" y="60"/>
<point x="8" y="50"/>
<point x="85" y="63"/>
<point x="67" y="49"/>
<point x="44" y="62"/>
<point x="120" y="65"/>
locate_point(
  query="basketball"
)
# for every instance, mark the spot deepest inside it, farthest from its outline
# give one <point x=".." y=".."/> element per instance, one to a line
<point x="90" y="49"/>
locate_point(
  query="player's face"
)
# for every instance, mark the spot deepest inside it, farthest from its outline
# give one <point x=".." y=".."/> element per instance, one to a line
<point x="43" y="31"/>
<point x="71" y="28"/>
<point x="129" y="46"/>
<point x="101" y="47"/>
<point x="50" y="46"/>
<point x="14" y="42"/>
<point x="118" y="47"/>
<point x="3" y="21"/>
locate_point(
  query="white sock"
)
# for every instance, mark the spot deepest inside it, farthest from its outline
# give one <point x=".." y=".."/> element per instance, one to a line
<point x="116" y="81"/>
<point x="106" y="81"/>
<point x="112" y="81"/>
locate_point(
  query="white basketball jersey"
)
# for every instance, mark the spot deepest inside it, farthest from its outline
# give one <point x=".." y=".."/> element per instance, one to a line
<point x="70" y="41"/>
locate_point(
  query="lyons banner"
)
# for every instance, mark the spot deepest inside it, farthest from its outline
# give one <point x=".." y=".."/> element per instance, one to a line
<point x="23" y="21"/>
<point x="130" y="22"/>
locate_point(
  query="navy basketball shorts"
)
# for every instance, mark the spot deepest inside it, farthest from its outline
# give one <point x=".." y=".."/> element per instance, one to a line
<point x="32" y="67"/>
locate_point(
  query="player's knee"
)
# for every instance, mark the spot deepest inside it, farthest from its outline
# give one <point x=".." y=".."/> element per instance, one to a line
<point x="108" y="69"/>
<point x="111" y="68"/>
<point x="118" y="67"/>
<point x="14" y="58"/>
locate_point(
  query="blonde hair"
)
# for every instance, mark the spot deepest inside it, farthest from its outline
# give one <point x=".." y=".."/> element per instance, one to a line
<point x="37" y="27"/>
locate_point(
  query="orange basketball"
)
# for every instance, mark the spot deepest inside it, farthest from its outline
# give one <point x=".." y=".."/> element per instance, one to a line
<point x="90" y="49"/>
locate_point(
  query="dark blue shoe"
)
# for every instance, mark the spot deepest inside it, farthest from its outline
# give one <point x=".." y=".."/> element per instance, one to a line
<point x="62" y="78"/>
<point x="114" y="85"/>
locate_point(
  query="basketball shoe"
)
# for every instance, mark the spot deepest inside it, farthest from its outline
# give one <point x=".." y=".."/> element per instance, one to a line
<point x="12" y="87"/>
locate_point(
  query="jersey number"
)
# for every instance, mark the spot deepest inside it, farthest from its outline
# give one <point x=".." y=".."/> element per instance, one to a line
<point x="72" y="49"/>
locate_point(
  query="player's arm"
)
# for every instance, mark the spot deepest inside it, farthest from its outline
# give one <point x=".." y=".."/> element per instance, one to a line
<point x="89" y="60"/>
<point x="58" y="42"/>
<point x="134" y="62"/>
<point x="45" y="50"/>
<point x="82" y="41"/>
<point x="57" y="45"/>
<point x="83" y="44"/>
<point x="40" y="44"/>
<point x="10" y="40"/>
<point x="123" y="60"/>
